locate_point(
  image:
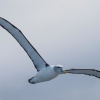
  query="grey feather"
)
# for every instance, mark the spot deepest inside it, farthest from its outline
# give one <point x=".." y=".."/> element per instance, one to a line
<point x="91" y="72"/>
<point x="38" y="61"/>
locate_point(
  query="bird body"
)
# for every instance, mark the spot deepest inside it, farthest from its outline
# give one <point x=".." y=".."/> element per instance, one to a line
<point x="45" y="74"/>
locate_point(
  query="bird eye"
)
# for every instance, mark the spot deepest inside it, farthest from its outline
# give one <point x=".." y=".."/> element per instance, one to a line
<point x="58" y="67"/>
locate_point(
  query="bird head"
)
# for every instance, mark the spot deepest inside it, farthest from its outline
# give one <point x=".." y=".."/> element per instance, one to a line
<point x="59" y="69"/>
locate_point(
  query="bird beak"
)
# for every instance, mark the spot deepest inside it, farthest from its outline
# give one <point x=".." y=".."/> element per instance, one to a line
<point x="65" y="71"/>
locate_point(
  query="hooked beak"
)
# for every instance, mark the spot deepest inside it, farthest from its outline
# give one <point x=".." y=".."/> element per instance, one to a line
<point x="65" y="71"/>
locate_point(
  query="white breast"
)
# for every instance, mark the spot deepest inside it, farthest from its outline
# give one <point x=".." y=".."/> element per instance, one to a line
<point x="45" y="74"/>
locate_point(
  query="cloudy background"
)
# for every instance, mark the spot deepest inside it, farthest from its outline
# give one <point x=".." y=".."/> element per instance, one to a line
<point x="65" y="32"/>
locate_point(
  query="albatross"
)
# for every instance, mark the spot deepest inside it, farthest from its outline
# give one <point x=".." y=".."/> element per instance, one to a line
<point x="45" y="72"/>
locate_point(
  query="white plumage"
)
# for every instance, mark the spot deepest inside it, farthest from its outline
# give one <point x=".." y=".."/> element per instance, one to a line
<point x="45" y="72"/>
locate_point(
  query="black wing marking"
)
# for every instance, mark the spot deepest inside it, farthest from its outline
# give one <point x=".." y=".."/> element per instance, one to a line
<point x="38" y="61"/>
<point x="91" y="72"/>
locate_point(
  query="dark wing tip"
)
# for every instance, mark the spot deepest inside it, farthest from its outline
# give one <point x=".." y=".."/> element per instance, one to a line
<point x="90" y="72"/>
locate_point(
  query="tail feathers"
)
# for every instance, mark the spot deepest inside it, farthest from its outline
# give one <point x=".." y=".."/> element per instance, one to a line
<point x="31" y="80"/>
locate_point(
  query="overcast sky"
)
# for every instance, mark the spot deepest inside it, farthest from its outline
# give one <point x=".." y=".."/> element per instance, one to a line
<point x="65" y="32"/>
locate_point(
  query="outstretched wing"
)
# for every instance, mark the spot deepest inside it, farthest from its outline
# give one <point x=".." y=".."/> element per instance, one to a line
<point x="38" y="61"/>
<point x="91" y="72"/>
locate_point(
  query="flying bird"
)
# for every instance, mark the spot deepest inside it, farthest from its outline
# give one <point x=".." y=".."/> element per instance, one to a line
<point x="45" y="72"/>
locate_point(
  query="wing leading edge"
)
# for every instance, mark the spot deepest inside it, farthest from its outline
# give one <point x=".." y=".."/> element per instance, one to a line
<point x="91" y="72"/>
<point x="37" y="60"/>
